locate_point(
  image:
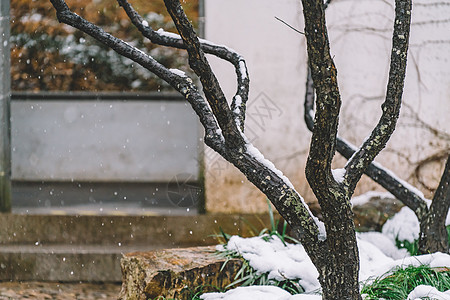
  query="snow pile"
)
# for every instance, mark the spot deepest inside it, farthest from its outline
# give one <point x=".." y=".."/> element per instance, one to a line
<point x="378" y="255"/>
<point x="428" y="292"/>
<point x="377" y="251"/>
<point x="388" y="245"/>
<point x="280" y="261"/>
<point x="404" y="226"/>
<point x="265" y="292"/>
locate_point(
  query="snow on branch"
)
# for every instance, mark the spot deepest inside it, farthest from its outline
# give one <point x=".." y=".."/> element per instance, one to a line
<point x="199" y="64"/>
<point x="182" y="84"/>
<point x="222" y="132"/>
<point x="164" y="38"/>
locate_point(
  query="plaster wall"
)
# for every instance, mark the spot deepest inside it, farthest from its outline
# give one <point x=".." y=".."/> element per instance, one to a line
<point x="360" y="35"/>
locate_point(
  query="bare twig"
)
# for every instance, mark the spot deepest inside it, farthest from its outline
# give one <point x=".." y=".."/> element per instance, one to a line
<point x="291" y="27"/>
<point x="161" y="37"/>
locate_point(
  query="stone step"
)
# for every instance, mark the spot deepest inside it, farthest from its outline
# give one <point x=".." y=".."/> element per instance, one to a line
<point x="165" y="231"/>
<point x="87" y="248"/>
<point x="63" y="263"/>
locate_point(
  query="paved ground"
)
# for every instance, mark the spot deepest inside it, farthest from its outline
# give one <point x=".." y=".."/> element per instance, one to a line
<point x="58" y="291"/>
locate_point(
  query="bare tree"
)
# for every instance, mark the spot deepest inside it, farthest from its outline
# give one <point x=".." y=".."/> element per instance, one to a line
<point x="433" y="235"/>
<point x="331" y="246"/>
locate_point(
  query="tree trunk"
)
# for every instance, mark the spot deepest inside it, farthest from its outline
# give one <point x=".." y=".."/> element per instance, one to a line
<point x="339" y="278"/>
<point x="433" y="234"/>
<point x="339" y="270"/>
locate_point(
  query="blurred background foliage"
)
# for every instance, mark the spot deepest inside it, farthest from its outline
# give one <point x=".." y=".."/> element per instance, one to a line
<point x="48" y="56"/>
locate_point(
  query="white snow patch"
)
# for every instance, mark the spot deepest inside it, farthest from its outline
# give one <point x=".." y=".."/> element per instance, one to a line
<point x="242" y="69"/>
<point x="258" y="293"/>
<point x="338" y="174"/>
<point x="428" y="292"/>
<point x="145" y="23"/>
<point x="404" y="226"/>
<point x="312" y="114"/>
<point x="378" y="256"/>
<point x="250" y="292"/>
<point x="372" y="260"/>
<point x="162" y="32"/>
<point x="364" y="198"/>
<point x="238" y="103"/>
<point x="178" y="72"/>
<point x="386" y="245"/>
<point x="304" y="297"/>
<point x="276" y="259"/>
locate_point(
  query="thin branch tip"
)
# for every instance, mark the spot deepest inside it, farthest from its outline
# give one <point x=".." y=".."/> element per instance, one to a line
<point x="290" y="26"/>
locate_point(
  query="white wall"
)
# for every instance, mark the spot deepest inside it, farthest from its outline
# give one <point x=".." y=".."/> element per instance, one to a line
<point x="133" y="141"/>
<point x="360" y="34"/>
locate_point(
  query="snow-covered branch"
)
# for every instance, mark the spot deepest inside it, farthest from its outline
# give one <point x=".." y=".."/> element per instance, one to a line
<point x="221" y="131"/>
<point x="182" y="84"/>
<point x="200" y="65"/>
<point x="164" y="38"/>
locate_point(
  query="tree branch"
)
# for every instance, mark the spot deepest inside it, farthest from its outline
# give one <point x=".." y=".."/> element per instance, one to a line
<point x="400" y="189"/>
<point x="433" y="234"/>
<point x="161" y="37"/>
<point x="248" y="159"/>
<point x="441" y="200"/>
<point x="201" y="67"/>
<point x="257" y="170"/>
<point x="391" y="106"/>
<point x="324" y="75"/>
<point x="182" y="84"/>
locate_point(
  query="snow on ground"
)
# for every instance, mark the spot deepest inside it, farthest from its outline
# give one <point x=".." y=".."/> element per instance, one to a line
<point x="278" y="260"/>
<point x="428" y="292"/>
<point x="404" y="225"/>
<point x="378" y="255"/>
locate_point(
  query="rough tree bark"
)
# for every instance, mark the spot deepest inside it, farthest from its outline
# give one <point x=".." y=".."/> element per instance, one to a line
<point x="332" y="247"/>
<point x="433" y="235"/>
